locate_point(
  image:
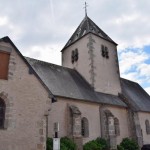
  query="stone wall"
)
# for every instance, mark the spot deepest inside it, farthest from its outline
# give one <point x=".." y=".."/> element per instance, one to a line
<point x="122" y="115"/>
<point x="143" y="116"/>
<point x="103" y="74"/>
<point x="92" y="111"/>
<point x="60" y="113"/>
<point x="26" y="103"/>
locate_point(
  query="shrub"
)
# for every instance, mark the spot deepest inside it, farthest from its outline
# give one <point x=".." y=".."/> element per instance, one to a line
<point x="49" y="144"/>
<point x="103" y="143"/>
<point x="92" y="145"/>
<point x="120" y="147"/>
<point x="65" y="144"/>
<point x="98" y="144"/>
<point x="128" y="144"/>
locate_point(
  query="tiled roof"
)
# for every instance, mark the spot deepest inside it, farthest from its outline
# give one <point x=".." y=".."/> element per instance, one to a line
<point x="85" y="27"/>
<point x="136" y="95"/>
<point x="65" y="82"/>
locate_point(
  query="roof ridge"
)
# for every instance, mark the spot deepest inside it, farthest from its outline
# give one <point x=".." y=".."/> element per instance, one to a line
<point x="48" y="63"/>
<point x="41" y="61"/>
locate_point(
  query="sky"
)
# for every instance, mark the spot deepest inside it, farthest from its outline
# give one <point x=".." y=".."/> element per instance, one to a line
<point x="40" y="29"/>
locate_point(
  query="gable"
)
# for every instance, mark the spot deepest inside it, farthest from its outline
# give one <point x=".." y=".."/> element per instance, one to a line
<point x="7" y="46"/>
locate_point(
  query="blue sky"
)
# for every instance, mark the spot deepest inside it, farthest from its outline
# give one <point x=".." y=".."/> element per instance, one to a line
<point x="135" y="65"/>
<point x="41" y="28"/>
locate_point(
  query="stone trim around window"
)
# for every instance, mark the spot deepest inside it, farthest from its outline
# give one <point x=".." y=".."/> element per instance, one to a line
<point x="85" y="127"/>
<point x="8" y="110"/>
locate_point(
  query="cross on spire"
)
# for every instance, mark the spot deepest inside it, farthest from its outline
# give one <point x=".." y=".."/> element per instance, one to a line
<point x="85" y="8"/>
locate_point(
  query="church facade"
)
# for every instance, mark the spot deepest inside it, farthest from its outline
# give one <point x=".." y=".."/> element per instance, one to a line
<point x="92" y="99"/>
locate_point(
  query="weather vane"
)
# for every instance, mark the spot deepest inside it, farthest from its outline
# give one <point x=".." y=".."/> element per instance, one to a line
<point x="85" y="8"/>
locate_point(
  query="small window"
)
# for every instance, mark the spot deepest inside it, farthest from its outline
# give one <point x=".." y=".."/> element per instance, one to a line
<point x="74" y="55"/>
<point x="117" y="127"/>
<point x="104" y="51"/>
<point x="4" y="62"/>
<point x="84" y="127"/>
<point x="147" y="126"/>
<point x="2" y="113"/>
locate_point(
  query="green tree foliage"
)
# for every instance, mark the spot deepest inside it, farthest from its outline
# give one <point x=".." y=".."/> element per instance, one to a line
<point x="65" y="144"/>
<point x="120" y="147"/>
<point x="49" y="144"/>
<point x="98" y="144"/>
<point x="128" y="144"/>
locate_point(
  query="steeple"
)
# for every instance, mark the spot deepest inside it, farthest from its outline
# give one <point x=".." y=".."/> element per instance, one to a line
<point x="85" y="27"/>
<point x="94" y="55"/>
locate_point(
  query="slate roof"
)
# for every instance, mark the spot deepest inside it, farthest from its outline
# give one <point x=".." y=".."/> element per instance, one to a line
<point x="85" y="27"/>
<point x="136" y="95"/>
<point x="65" y="82"/>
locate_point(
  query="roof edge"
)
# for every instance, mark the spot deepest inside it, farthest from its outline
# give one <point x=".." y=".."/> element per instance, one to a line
<point x="8" y="40"/>
<point x="86" y="100"/>
<point x="84" y="36"/>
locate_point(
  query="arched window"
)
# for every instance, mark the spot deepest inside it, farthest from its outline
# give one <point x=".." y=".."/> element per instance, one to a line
<point x="147" y="126"/>
<point x="2" y="113"/>
<point x="107" y="123"/>
<point x="84" y="127"/>
<point x="117" y="127"/>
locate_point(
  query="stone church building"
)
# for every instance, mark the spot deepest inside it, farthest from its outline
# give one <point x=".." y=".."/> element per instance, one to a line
<point x="91" y="99"/>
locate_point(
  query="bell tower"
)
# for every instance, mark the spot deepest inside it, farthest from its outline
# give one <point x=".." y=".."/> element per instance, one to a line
<point x="94" y="55"/>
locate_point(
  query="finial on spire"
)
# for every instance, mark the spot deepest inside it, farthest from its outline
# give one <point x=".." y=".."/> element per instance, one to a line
<point x="85" y="9"/>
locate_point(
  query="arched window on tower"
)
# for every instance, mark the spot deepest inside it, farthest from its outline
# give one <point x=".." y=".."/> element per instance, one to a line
<point x="85" y="127"/>
<point x="2" y="113"/>
<point x="147" y="126"/>
<point x="117" y="127"/>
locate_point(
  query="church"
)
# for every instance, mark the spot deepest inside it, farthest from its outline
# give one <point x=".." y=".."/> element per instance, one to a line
<point x="86" y="95"/>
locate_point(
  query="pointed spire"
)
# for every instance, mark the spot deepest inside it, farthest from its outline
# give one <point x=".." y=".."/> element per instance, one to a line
<point x="85" y="27"/>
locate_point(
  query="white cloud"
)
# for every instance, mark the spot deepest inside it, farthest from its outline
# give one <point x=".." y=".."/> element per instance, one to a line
<point x="47" y="53"/>
<point x="144" y="70"/>
<point x="147" y="90"/>
<point x="133" y="76"/>
<point x="133" y="65"/>
<point x="130" y="59"/>
<point x="125" y="19"/>
<point x="41" y="29"/>
<point x="3" y="20"/>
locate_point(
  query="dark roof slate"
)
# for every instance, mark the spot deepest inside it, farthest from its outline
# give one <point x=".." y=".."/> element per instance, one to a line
<point x="65" y="82"/>
<point x="85" y="27"/>
<point x="136" y="95"/>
